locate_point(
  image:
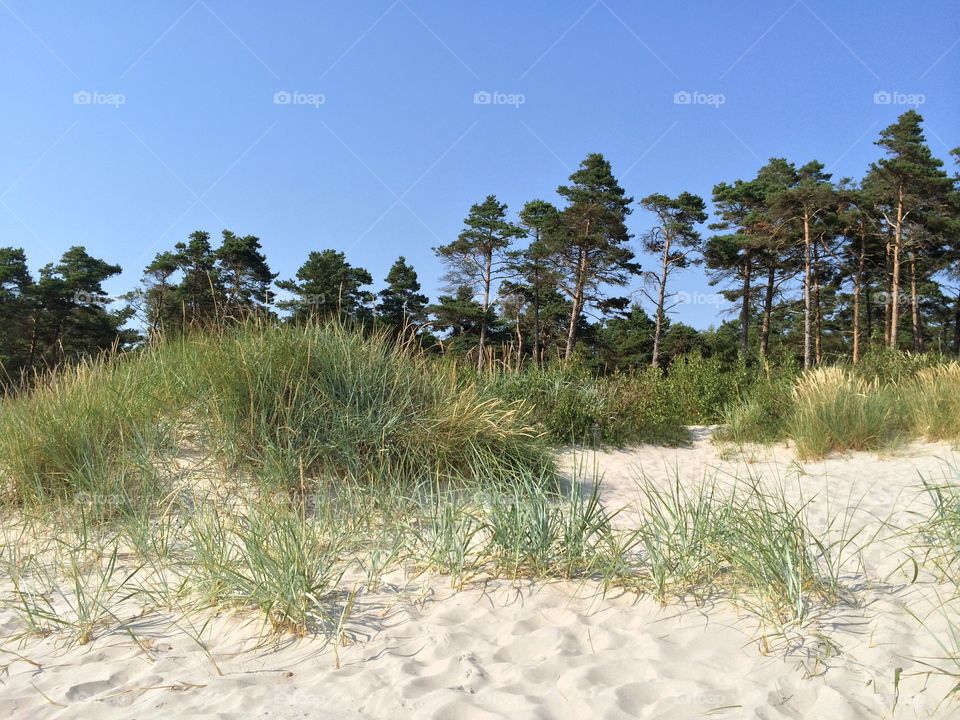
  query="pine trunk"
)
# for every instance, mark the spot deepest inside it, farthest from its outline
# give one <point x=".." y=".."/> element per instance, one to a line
<point x="807" y="315"/>
<point x="767" y="313"/>
<point x="895" y="278"/>
<point x="857" y="289"/>
<point x="745" y="308"/>
<point x="579" y="289"/>
<point x="661" y="295"/>
<point x="956" y="326"/>
<point x="537" y="350"/>
<point x="488" y="270"/>
<point x="915" y="306"/>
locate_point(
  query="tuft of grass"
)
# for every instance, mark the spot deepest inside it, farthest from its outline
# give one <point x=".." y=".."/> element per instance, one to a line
<point x="747" y="544"/>
<point x="287" y="566"/>
<point x="932" y="398"/>
<point x="940" y="533"/>
<point x="835" y="411"/>
<point x="93" y="430"/>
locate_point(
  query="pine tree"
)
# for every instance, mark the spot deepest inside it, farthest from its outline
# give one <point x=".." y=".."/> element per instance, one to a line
<point x="675" y="239"/>
<point x="160" y="294"/>
<point x="462" y="316"/>
<point x="401" y="305"/>
<point x="805" y="204"/>
<point x="478" y="257"/>
<point x="200" y="294"/>
<point x="589" y="248"/>
<point x="731" y="258"/>
<point x="71" y="319"/>
<point x="327" y="286"/>
<point x="531" y="266"/>
<point x="16" y="314"/>
<point x="909" y="181"/>
<point x="245" y="275"/>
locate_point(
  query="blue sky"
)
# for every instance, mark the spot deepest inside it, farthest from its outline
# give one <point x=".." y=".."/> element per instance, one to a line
<point x="129" y="125"/>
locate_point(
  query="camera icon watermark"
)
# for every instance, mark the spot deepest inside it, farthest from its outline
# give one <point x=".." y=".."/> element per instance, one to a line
<point x="895" y="97"/>
<point x="95" y="97"/>
<point x="295" y="97"/>
<point x="485" y="97"/>
<point x="695" y="97"/>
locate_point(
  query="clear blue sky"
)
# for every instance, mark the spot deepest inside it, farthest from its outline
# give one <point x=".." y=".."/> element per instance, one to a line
<point x="391" y="160"/>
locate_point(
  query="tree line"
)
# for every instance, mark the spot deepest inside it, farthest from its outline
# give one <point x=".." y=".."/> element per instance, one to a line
<point x="816" y="267"/>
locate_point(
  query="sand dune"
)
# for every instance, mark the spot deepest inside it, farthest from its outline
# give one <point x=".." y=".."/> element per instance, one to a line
<point x="554" y="650"/>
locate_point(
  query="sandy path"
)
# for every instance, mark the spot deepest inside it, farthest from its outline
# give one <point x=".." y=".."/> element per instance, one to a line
<point x="554" y="651"/>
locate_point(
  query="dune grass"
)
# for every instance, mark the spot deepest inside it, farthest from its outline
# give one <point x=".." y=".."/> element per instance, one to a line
<point x="281" y="471"/>
<point x="299" y="562"/>
<point x="940" y="533"/>
<point x="94" y="429"/>
<point x="836" y="409"/>
<point x="280" y="402"/>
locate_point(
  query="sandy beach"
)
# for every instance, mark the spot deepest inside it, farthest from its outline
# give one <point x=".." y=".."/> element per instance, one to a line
<point x="417" y="648"/>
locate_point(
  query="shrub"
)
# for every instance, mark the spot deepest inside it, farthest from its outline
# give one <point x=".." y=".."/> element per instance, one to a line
<point x="572" y="406"/>
<point x="700" y="389"/>
<point x="762" y="415"/>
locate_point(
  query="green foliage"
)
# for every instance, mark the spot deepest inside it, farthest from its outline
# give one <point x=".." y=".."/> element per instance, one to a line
<point x="573" y="406"/>
<point x="589" y="250"/>
<point x="327" y="286"/>
<point x="401" y="302"/>
<point x="886" y="366"/>
<point x="90" y="431"/>
<point x="762" y="415"/>
<point x="700" y="389"/>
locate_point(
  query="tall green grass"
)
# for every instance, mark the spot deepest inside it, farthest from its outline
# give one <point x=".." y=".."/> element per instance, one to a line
<point x="95" y="429"/>
<point x="840" y="408"/>
<point x="275" y="403"/>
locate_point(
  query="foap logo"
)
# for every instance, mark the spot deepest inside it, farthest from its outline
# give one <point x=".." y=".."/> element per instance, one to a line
<point x="285" y="297"/>
<point x="695" y="97"/>
<point x="699" y="298"/>
<point x="895" y="97"/>
<point x="485" y="97"/>
<point x="710" y="699"/>
<point x="295" y="97"/>
<point x="95" y="97"/>
<point x="89" y="299"/>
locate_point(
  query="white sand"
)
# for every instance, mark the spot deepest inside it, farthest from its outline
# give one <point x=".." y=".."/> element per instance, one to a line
<point x="546" y="651"/>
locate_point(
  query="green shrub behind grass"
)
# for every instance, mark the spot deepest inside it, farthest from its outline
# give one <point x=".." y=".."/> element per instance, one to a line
<point x="700" y="389"/>
<point x="573" y="406"/>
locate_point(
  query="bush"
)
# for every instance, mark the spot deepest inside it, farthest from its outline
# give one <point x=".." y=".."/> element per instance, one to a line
<point x="762" y="415"/>
<point x="700" y="389"/>
<point x="572" y="406"/>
